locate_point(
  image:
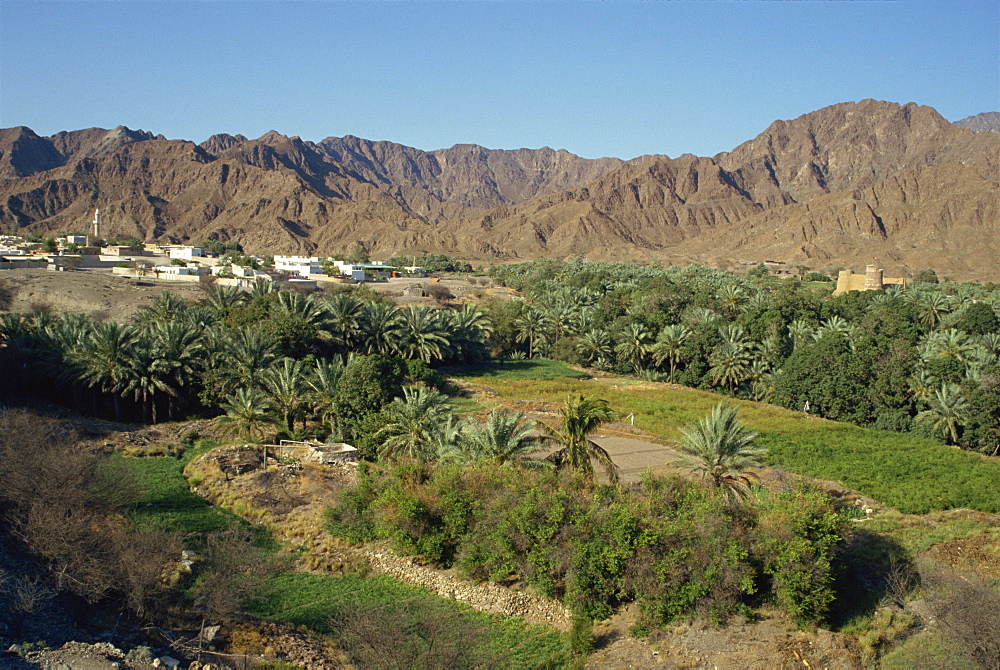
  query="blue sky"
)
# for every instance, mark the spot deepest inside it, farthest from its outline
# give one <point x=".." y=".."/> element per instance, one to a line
<point x="596" y="78"/>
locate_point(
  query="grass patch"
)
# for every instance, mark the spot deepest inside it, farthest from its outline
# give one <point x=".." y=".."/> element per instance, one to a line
<point x="167" y="503"/>
<point x="916" y="475"/>
<point x="464" y="406"/>
<point x="318" y="602"/>
<point x="511" y="370"/>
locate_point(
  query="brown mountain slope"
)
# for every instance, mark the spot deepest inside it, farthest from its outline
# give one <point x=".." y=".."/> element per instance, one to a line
<point x="987" y="122"/>
<point x="832" y="187"/>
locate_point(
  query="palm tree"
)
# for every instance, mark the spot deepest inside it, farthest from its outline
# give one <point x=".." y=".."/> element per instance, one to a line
<point x="730" y="363"/>
<point x="801" y="332"/>
<point x="505" y="437"/>
<point x="163" y="308"/>
<point x="580" y="416"/>
<point x="261" y="287"/>
<point x="947" y="412"/>
<point x="303" y="307"/>
<point x="246" y="414"/>
<point x="634" y="345"/>
<point x="422" y="334"/>
<point x="285" y="383"/>
<point x="345" y="314"/>
<point x="222" y="299"/>
<point x="105" y="361"/>
<point x="731" y="297"/>
<point x="595" y="344"/>
<point x="699" y="316"/>
<point x="725" y="450"/>
<point x="669" y="346"/>
<point x="240" y="357"/>
<point x="931" y="306"/>
<point x="144" y="376"/>
<point x="949" y="343"/>
<point x="180" y="356"/>
<point x="532" y="325"/>
<point x="379" y="324"/>
<point x="323" y="386"/>
<point x="469" y="329"/>
<point x="410" y="423"/>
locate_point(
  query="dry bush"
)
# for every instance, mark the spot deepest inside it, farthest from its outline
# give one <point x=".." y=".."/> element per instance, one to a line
<point x="380" y="637"/>
<point x="438" y="292"/>
<point x="7" y="294"/>
<point x="234" y="571"/>
<point x="65" y="504"/>
<point x="967" y="609"/>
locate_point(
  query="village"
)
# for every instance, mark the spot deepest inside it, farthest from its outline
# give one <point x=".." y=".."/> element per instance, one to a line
<point x="187" y="263"/>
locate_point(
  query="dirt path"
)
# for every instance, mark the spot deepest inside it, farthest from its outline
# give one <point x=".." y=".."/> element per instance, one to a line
<point x="634" y="456"/>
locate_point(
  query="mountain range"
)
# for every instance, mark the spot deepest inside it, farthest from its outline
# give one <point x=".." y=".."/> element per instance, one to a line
<point x="837" y="186"/>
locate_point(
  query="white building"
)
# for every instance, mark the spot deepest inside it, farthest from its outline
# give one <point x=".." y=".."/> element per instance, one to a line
<point x="186" y="253"/>
<point x="303" y="266"/>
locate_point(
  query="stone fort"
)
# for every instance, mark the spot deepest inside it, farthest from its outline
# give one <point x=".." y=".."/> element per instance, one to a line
<point x="871" y="280"/>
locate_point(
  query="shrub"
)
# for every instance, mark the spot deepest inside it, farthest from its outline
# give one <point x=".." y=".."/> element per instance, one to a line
<point x="795" y="543"/>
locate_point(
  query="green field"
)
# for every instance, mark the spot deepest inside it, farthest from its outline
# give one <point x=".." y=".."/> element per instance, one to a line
<point x="513" y="370"/>
<point x="167" y="503"/>
<point x="913" y="474"/>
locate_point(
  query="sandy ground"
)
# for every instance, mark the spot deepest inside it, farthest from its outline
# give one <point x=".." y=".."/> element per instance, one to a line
<point x="97" y="293"/>
<point x="103" y="295"/>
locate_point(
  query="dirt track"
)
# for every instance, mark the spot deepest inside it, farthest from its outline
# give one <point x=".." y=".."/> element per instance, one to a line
<point x="635" y="456"/>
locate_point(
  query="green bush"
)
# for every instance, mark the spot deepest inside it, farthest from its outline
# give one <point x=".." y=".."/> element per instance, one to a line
<point x="796" y="536"/>
<point x="671" y="545"/>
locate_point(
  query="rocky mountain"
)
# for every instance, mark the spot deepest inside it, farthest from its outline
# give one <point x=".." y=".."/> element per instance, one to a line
<point x="987" y="122"/>
<point x="833" y="187"/>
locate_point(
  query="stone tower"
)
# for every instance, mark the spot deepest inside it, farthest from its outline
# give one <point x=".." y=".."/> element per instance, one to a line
<point x="97" y="225"/>
<point x="873" y="278"/>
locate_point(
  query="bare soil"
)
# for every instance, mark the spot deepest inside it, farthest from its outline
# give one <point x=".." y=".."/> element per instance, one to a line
<point x="103" y="295"/>
<point x="97" y="293"/>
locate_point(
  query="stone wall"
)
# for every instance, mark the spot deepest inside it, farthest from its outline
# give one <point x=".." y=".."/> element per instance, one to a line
<point x="484" y="596"/>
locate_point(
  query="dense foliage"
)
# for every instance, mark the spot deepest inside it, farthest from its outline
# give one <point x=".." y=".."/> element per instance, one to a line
<point x="672" y="546"/>
<point x="921" y="358"/>
<point x="262" y="357"/>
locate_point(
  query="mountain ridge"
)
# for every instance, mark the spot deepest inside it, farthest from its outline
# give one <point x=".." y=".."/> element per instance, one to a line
<point x="826" y="187"/>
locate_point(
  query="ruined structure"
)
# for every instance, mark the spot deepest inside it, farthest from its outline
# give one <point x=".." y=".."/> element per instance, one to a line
<point x="871" y="280"/>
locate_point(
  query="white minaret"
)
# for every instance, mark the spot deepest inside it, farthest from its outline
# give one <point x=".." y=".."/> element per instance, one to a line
<point x="97" y="225"/>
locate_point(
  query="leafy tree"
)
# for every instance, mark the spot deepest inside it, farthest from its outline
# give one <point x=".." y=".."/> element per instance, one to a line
<point x="367" y="384"/>
<point x="725" y="450"/>
<point x="927" y="276"/>
<point x="580" y="416"/>
<point x="358" y="255"/>
<point x="979" y="318"/>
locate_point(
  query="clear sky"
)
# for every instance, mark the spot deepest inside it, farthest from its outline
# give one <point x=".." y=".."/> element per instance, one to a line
<point x="596" y="78"/>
